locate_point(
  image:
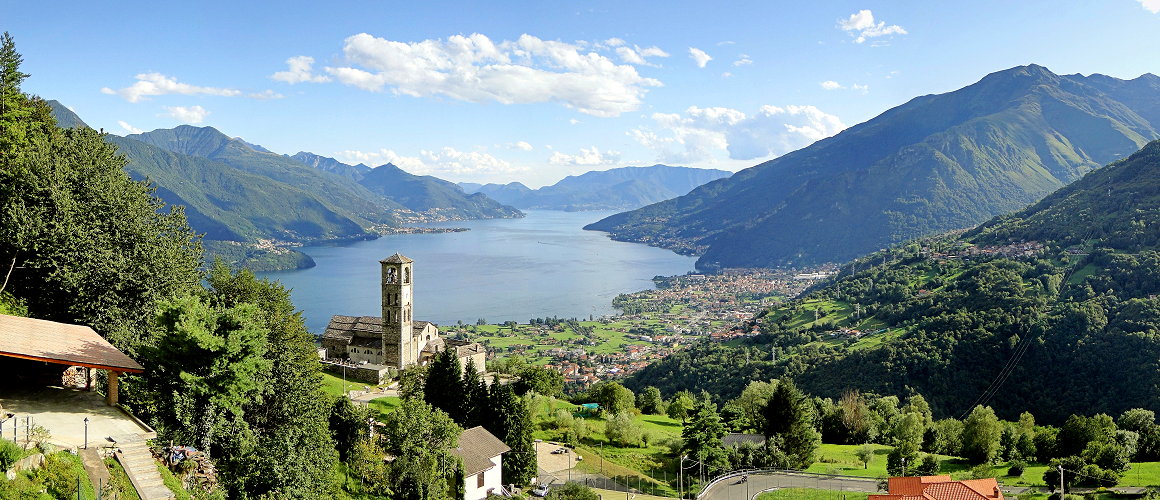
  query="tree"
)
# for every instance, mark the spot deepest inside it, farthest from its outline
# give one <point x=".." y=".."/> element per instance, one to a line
<point x="789" y="424"/>
<point x="540" y="380"/>
<point x="702" y="436"/>
<point x="366" y="461"/>
<point x="623" y="430"/>
<point x="679" y="406"/>
<point x="421" y="438"/>
<point x="511" y="422"/>
<point x="84" y="242"/>
<point x="908" y="428"/>
<point x="752" y="401"/>
<point x="902" y="459"/>
<point x="412" y="382"/>
<point x="857" y="420"/>
<point x="475" y="399"/>
<point x="650" y="401"/>
<point x="207" y="366"/>
<point x="865" y="454"/>
<point x="290" y="417"/>
<point x="981" y="433"/>
<point x="348" y="426"/>
<point x="443" y="385"/>
<point x="946" y="437"/>
<point x="613" y="397"/>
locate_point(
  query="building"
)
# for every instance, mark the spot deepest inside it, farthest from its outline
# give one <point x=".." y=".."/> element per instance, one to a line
<point x="394" y="340"/>
<point x="940" y="488"/>
<point x="482" y="455"/>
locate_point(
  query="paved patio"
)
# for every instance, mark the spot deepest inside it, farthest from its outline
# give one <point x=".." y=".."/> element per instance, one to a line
<point x="62" y="412"/>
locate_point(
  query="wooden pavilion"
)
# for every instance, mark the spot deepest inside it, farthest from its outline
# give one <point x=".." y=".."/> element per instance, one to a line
<point x="65" y="344"/>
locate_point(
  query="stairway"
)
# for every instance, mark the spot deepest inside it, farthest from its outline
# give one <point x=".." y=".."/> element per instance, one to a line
<point x="138" y="462"/>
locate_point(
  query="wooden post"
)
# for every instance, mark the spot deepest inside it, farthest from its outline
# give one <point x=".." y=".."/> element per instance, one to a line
<point x="88" y="379"/>
<point x="111" y="392"/>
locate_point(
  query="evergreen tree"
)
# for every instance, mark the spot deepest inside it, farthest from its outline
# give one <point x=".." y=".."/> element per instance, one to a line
<point x="475" y="397"/>
<point x="290" y="415"/>
<point x="702" y="436"/>
<point x="443" y="385"/>
<point x="789" y="424"/>
<point x="208" y="365"/>
<point x="511" y="422"/>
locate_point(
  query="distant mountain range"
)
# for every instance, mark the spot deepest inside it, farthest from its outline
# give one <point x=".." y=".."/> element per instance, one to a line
<point x="623" y="188"/>
<point x="239" y="193"/>
<point x="935" y="163"/>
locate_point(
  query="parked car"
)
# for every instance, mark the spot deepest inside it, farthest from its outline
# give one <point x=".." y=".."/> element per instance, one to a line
<point x="540" y="491"/>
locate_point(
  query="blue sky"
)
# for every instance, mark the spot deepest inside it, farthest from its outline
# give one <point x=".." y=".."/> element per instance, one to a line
<point x="534" y="91"/>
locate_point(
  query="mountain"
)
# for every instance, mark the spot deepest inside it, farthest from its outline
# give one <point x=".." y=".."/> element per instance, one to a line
<point x="65" y="118"/>
<point x="355" y="172"/>
<point x="333" y="190"/>
<point x="1053" y="309"/>
<point x="432" y="197"/>
<point x="935" y="163"/>
<point x="615" y="189"/>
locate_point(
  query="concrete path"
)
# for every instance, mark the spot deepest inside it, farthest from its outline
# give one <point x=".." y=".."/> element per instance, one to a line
<point x="63" y="413"/>
<point x="95" y="468"/>
<point x="139" y="464"/>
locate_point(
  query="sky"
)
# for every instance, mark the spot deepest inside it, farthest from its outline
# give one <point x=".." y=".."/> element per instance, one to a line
<point x="534" y="91"/>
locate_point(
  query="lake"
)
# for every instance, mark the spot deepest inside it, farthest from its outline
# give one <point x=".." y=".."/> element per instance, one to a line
<point x="501" y="269"/>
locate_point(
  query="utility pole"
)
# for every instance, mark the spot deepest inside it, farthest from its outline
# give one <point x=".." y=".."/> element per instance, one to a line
<point x="1061" y="492"/>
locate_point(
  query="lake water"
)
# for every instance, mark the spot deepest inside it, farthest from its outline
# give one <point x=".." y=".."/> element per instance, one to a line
<point x="503" y="269"/>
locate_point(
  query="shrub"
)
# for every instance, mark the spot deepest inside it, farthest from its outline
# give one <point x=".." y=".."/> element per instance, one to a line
<point x="9" y="454"/>
<point x="1017" y="468"/>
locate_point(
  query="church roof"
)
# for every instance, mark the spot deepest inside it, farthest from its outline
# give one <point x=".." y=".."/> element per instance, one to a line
<point x="477" y="447"/>
<point x="345" y="327"/>
<point x="61" y="343"/>
<point x="396" y="259"/>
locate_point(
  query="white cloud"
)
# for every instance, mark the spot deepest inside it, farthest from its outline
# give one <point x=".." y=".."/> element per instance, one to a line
<point x="629" y="55"/>
<point x="859" y="87"/>
<point x="522" y="145"/>
<point x="699" y="56"/>
<point x="743" y="60"/>
<point x="187" y="114"/>
<point x="151" y="84"/>
<point x="475" y="69"/>
<point x="726" y="75"/>
<point x="587" y="158"/>
<point x="637" y="55"/>
<point x="861" y="26"/>
<point x="573" y="121"/>
<point x="445" y="161"/>
<point x="1152" y="6"/>
<point x="831" y="85"/>
<point x="700" y="134"/>
<point x="299" y="71"/>
<point x="265" y="94"/>
<point x="129" y="128"/>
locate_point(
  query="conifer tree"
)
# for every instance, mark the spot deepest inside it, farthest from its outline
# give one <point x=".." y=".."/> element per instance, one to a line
<point x="475" y="397"/>
<point x="789" y="424"/>
<point x="511" y="422"/>
<point x="444" y="385"/>
<point x="702" y="436"/>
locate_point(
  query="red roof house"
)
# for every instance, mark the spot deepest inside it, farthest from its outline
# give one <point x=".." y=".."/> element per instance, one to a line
<point x="940" y="488"/>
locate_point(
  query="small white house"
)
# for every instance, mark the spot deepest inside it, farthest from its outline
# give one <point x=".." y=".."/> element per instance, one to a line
<point x="482" y="455"/>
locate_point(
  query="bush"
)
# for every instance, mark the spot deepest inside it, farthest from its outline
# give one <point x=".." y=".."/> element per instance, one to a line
<point x="573" y="491"/>
<point x="1017" y="468"/>
<point x="9" y="454"/>
<point x="981" y="471"/>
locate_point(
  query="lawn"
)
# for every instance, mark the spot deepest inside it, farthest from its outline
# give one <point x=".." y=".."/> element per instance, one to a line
<point x="810" y="494"/>
<point x="840" y="459"/>
<point x="385" y="405"/>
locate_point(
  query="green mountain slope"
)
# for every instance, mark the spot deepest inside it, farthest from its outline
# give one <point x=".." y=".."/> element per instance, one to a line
<point x="936" y="163"/>
<point x="614" y="189"/>
<point x="1054" y="309"/>
<point x="342" y="193"/>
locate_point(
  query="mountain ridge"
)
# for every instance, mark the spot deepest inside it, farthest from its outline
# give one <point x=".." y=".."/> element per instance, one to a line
<point x="936" y="163"/>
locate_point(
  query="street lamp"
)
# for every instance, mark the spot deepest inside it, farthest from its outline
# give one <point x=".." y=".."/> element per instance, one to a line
<point x="86" y="433"/>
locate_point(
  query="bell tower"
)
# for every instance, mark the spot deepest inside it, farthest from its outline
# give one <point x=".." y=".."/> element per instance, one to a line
<point x="399" y="348"/>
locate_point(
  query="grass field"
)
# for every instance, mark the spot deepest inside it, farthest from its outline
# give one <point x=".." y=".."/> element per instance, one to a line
<point x="840" y="459"/>
<point x="810" y="494"/>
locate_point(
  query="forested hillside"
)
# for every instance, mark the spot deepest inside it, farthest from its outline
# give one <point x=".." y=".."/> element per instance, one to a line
<point x="936" y="163"/>
<point x="1053" y="308"/>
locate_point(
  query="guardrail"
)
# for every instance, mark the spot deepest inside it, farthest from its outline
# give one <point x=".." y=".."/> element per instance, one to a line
<point x="741" y="472"/>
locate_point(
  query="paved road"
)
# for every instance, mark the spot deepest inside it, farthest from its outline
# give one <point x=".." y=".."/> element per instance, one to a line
<point x="735" y="489"/>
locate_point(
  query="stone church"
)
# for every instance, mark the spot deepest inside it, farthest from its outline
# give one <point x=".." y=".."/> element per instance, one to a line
<point x="394" y="340"/>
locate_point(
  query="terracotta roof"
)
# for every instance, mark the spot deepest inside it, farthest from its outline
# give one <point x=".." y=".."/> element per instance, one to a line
<point x="61" y="343"/>
<point x="396" y="259"/>
<point x="940" y="488"/>
<point x="477" y="447"/>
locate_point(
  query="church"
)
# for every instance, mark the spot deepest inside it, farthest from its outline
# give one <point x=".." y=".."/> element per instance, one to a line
<point x="395" y="340"/>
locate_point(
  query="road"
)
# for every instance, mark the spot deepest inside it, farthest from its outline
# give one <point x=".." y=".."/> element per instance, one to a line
<point x="735" y="489"/>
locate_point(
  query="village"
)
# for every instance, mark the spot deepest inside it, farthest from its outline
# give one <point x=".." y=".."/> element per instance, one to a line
<point x="652" y="324"/>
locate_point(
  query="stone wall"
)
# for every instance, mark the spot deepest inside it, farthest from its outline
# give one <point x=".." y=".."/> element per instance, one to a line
<point x="366" y="374"/>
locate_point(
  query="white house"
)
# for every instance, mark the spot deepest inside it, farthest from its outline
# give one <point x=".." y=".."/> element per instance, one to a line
<point x="482" y="455"/>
